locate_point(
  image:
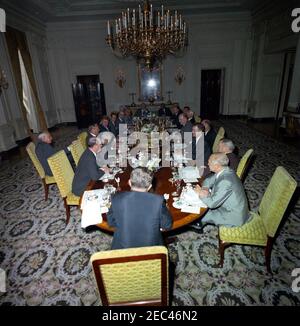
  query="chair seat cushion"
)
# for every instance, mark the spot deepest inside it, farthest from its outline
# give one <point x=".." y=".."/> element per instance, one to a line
<point x="73" y="199"/>
<point x="252" y="233"/>
<point x="49" y="179"/>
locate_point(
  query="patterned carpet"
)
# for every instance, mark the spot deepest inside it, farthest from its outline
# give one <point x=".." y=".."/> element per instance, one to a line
<point x="47" y="263"/>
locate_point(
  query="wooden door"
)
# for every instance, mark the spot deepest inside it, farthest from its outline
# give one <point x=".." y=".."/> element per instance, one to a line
<point x="210" y="93"/>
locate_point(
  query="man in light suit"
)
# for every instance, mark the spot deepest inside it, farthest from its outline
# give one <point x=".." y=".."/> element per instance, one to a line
<point x="224" y="195"/>
<point x="137" y="215"/>
<point x="87" y="168"/>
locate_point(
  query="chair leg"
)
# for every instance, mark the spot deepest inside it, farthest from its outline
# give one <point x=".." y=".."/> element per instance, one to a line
<point x="46" y="188"/>
<point x="268" y="250"/>
<point x="222" y="246"/>
<point x="68" y="212"/>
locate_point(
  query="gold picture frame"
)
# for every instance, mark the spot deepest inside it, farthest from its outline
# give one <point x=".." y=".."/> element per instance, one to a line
<point x="150" y="87"/>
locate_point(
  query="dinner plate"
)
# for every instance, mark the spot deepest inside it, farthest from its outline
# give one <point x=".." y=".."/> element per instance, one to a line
<point x="177" y="204"/>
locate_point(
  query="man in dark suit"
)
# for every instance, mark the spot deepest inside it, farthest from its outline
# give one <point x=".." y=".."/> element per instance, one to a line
<point x="113" y="125"/>
<point x="93" y="131"/>
<point x="198" y="132"/>
<point x="104" y="124"/>
<point x="227" y="147"/>
<point x="87" y="168"/>
<point x="176" y="111"/>
<point x="210" y="133"/>
<point x="44" y="150"/>
<point x="186" y="125"/>
<point x="164" y="111"/>
<point x="138" y="216"/>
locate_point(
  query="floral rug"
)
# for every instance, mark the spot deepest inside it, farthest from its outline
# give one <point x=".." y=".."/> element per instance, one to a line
<point x="47" y="262"/>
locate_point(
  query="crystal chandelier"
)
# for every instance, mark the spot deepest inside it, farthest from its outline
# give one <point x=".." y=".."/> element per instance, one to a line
<point x="149" y="35"/>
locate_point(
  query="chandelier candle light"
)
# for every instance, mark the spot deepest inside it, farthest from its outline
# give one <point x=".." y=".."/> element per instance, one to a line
<point x="148" y="34"/>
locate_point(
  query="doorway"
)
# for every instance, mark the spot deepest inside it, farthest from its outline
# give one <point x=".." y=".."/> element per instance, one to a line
<point x="89" y="100"/>
<point x="211" y="89"/>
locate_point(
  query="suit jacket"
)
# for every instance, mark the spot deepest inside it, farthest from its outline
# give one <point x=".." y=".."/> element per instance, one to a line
<point x="210" y="137"/>
<point x="175" y="119"/>
<point x="207" y="150"/>
<point x="86" y="170"/>
<point x="233" y="161"/>
<point x="43" y="151"/>
<point x="227" y="202"/>
<point x="113" y="127"/>
<point x="188" y="127"/>
<point x="164" y="112"/>
<point x="102" y="128"/>
<point x="138" y="217"/>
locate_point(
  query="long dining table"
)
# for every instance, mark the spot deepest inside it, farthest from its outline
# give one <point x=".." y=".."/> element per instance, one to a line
<point x="161" y="185"/>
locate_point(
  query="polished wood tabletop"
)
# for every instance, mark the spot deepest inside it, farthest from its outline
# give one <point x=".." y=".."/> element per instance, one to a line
<point x="161" y="186"/>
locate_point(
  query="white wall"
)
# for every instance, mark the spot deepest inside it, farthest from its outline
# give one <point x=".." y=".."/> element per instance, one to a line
<point x="216" y="41"/>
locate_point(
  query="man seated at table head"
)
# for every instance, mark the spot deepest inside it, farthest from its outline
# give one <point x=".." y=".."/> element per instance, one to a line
<point x="227" y="147"/>
<point x="224" y="195"/>
<point x="186" y="125"/>
<point x="44" y="150"/>
<point x="87" y="168"/>
<point x="137" y="215"/>
<point x="210" y="133"/>
<point x="93" y="131"/>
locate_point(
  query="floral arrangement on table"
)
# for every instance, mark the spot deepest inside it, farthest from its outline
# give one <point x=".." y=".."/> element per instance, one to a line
<point x="149" y="127"/>
<point x="153" y="164"/>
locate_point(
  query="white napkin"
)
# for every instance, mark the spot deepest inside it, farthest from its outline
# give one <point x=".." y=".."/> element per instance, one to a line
<point x="91" y="208"/>
<point x="190" y="209"/>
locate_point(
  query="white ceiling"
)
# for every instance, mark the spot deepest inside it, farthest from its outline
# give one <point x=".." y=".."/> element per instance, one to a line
<point x="67" y="10"/>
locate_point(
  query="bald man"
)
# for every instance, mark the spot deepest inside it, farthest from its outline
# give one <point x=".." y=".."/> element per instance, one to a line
<point x="224" y="195"/>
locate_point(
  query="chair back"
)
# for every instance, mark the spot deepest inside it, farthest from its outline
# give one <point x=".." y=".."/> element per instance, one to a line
<point x="244" y="163"/>
<point x="219" y="136"/>
<point x="276" y="199"/>
<point x="82" y="138"/>
<point x="62" y="172"/>
<point x="30" y="148"/>
<point x="134" y="276"/>
<point x="77" y="150"/>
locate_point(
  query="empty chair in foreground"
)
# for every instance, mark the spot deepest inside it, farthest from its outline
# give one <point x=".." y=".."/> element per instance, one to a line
<point x="134" y="276"/>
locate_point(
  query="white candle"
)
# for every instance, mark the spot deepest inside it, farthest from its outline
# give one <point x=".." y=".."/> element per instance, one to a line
<point x="133" y="19"/>
<point x="158" y="19"/>
<point x="162" y="10"/>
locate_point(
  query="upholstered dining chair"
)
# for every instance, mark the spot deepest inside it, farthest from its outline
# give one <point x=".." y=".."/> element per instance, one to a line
<point x="82" y="138"/>
<point x="244" y="164"/>
<point x="134" y="276"/>
<point x="46" y="179"/>
<point x="219" y="136"/>
<point x="77" y="150"/>
<point x="262" y="227"/>
<point x="64" y="174"/>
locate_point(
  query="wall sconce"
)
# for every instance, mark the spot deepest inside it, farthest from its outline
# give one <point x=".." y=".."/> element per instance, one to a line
<point x="180" y="75"/>
<point x="3" y="81"/>
<point x="120" y="78"/>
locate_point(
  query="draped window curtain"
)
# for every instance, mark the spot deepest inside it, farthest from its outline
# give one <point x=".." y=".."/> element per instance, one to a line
<point x="16" y="40"/>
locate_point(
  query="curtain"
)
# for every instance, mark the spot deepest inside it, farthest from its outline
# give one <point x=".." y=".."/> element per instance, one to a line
<point x="19" y="42"/>
<point x="12" y="46"/>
